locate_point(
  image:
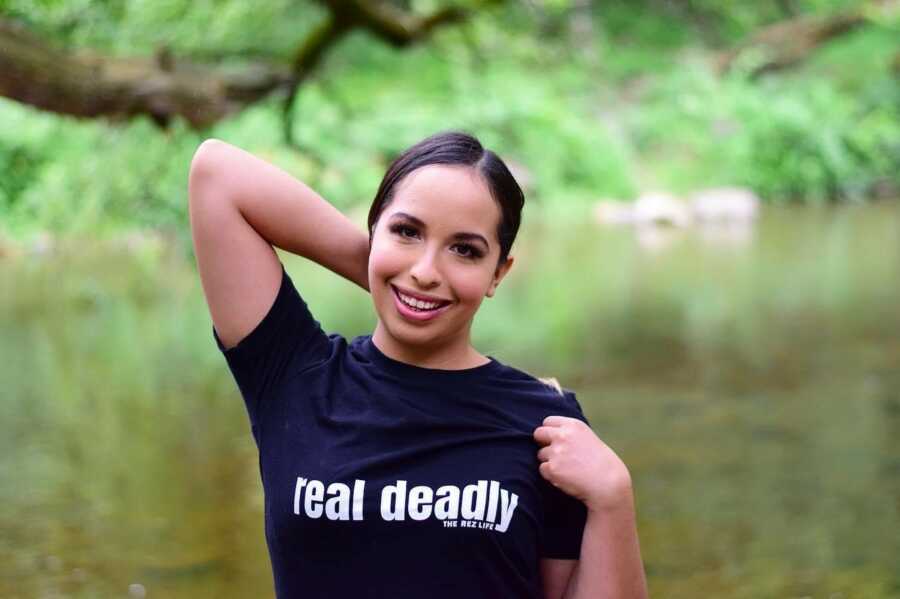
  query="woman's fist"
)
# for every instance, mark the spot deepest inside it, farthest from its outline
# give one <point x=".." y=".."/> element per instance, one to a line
<point x="573" y="459"/>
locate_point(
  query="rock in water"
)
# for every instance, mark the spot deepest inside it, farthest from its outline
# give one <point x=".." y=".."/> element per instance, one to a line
<point x="660" y="208"/>
<point x="725" y="204"/>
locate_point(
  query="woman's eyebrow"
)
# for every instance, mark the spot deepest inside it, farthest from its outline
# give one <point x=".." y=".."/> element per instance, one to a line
<point x="461" y="236"/>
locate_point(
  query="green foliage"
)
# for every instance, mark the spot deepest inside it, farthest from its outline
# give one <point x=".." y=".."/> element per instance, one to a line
<point x="718" y="22"/>
<point x="817" y="144"/>
<point x="797" y="137"/>
<point x="809" y="144"/>
<point x="593" y="102"/>
<point x="18" y="167"/>
<point x="137" y="27"/>
<point x="92" y="177"/>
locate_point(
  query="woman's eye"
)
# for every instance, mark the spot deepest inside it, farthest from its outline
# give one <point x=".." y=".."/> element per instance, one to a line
<point x="400" y="229"/>
<point x="407" y="232"/>
<point x="471" y="251"/>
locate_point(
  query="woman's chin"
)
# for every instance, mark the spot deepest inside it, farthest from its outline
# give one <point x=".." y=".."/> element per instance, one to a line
<point x="410" y="334"/>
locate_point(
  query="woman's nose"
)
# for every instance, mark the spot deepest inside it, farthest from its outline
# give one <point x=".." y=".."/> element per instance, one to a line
<point x="425" y="271"/>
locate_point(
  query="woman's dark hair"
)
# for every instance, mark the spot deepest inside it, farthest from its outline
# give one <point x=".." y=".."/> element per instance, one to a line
<point x="457" y="148"/>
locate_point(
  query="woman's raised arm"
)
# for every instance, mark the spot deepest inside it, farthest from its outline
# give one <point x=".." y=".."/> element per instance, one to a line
<point x="240" y="206"/>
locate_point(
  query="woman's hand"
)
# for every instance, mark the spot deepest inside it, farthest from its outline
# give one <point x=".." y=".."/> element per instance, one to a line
<point x="577" y="462"/>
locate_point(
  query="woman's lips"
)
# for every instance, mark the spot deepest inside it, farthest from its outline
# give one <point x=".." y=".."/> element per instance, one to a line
<point x="411" y="314"/>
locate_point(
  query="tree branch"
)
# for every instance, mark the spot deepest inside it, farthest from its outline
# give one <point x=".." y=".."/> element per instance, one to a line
<point x="787" y="43"/>
<point x="89" y="85"/>
<point x="399" y="28"/>
<point x="392" y="25"/>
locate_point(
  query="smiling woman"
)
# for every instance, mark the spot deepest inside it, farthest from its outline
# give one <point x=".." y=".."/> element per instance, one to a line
<point x="436" y="237"/>
<point x="403" y="463"/>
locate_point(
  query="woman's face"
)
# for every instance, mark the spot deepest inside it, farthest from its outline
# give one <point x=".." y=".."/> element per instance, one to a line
<point x="437" y="238"/>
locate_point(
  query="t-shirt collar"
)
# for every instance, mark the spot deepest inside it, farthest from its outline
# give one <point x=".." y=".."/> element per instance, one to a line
<point x="411" y="371"/>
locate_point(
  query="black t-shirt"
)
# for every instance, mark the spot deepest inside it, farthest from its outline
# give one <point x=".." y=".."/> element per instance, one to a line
<point x="383" y="479"/>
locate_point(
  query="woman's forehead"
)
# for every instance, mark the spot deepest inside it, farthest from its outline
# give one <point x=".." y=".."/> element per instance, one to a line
<point x="446" y="194"/>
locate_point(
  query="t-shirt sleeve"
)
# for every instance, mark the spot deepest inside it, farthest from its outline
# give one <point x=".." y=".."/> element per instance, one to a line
<point x="564" y="515"/>
<point x="286" y="341"/>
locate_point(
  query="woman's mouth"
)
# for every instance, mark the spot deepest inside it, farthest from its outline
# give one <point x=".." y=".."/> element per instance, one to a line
<point x="417" y="310"/>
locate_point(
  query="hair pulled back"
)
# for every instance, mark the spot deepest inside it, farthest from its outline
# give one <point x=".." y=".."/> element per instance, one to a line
<point x="457" y="148"/>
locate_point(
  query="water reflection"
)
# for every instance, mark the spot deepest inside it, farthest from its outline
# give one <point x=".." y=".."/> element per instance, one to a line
<point x="753" y="388"/>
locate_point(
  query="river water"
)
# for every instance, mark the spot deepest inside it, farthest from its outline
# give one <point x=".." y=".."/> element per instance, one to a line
<point x="749" y="378"/>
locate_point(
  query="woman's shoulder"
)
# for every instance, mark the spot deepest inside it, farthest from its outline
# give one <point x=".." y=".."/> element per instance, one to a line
<point x="551" y="393"/>
<point x="548" y="383"/>
<point x="548" y="386"/>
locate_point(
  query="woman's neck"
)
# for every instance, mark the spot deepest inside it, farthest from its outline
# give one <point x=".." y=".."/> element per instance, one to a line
<point x="456" y="355"/>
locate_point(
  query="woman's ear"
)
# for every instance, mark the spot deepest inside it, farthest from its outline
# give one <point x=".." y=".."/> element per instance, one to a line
<point x="499" y="274"/>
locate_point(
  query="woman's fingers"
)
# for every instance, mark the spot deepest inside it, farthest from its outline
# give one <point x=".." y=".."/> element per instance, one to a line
<point x="543" y="434"/>
<point x="555" y="420"/>
<point x="543" y="454"/>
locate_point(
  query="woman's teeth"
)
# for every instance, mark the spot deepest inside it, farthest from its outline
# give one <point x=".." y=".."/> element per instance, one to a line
<point x="419" y="304"/>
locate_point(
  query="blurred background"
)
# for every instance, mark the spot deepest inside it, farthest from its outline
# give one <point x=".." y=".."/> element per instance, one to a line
<point x="709" y="258"/>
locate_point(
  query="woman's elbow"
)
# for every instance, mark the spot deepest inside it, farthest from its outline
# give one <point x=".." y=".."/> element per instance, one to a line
<point x="205" y="164"/>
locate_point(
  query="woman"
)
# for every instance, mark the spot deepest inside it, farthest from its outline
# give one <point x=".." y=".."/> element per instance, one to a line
<point x="404" y="463"/>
